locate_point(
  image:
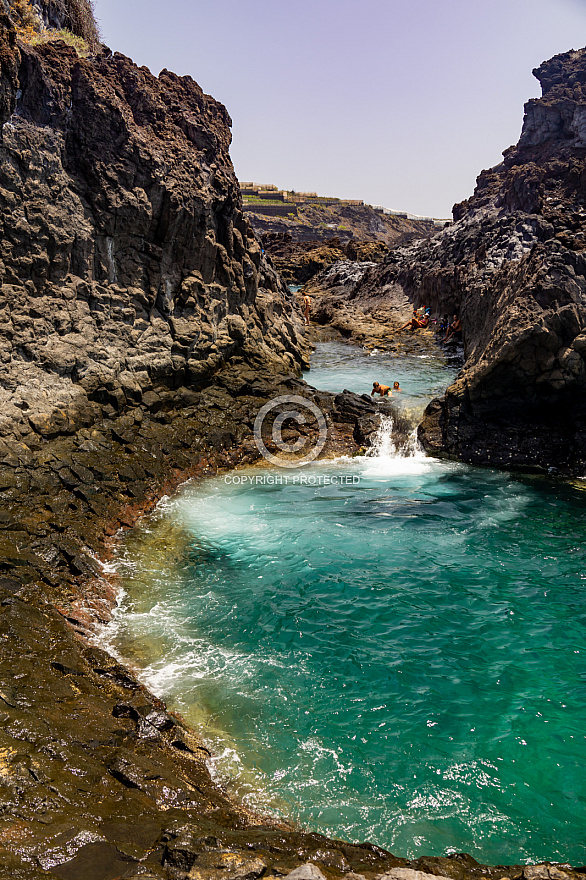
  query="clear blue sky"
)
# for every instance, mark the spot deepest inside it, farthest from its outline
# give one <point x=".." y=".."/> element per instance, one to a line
<point x="398" y="102"/>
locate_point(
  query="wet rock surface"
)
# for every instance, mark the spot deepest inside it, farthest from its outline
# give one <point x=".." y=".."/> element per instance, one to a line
<point x="95" y="772"/>
<point x="98" y="779"/>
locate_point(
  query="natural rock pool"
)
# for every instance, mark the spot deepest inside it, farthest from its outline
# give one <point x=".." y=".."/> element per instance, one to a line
<point x="395" y="656"/>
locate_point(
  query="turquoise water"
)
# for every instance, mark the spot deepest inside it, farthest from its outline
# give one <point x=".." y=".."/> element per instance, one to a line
<point x="421" y="374"/>
<point x="396" y="655"/>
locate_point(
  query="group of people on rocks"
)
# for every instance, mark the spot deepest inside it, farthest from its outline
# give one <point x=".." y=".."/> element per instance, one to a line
<point x="421" y="318"/>
<point x="453" y="329"/>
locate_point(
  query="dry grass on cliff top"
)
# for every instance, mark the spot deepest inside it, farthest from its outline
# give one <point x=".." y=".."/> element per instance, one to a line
<point x="36" y="38"/>
<point x="82" y="34"/>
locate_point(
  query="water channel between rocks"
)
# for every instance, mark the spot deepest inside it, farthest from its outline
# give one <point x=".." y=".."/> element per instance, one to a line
<point x="397" y="658"/>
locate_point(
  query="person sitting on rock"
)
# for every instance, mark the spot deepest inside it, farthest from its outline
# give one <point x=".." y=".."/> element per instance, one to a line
<point x="444" y="325"/>
<point x="454" y="330"/>
<point x="396" y="387"/>
<point x="383" y="390"/>
<point x="412" y="323"/>
<point x="416" y="322"/>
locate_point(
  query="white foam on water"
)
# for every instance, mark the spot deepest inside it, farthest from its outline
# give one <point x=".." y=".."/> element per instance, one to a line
<point x="506" y="506"/>
<point x="320" y="753"/>
<point x="106" y="634"/>
<point x="225" y="765"/>
<point x="227" y="520"/>
<point x="384" y="459"/>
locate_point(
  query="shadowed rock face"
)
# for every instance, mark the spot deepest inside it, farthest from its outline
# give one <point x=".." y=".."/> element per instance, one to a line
<point x="8" y="66"/>
<point x="515" y="266"/>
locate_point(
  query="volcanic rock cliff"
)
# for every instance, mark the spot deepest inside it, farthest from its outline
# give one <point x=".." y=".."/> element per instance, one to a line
<point x="126" y="261"/>
<point x="320" y="234"/>
<point x="513" y="266"/>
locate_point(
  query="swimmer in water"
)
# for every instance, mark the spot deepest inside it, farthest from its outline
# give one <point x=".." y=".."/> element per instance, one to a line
<point x="396" y="387"/>
<point x="383" y="390"/>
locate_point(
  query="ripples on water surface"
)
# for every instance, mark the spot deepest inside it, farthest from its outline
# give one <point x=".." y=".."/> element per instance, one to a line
<point x="422" y="374"/>
<point x="399" y="660"/>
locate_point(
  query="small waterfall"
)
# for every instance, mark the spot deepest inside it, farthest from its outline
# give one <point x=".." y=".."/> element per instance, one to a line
<point x="395" y="438"/>
<point x="383" y="445"/>
<point x="395" y="449"/>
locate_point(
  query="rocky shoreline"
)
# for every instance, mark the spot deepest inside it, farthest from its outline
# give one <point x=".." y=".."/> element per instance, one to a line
<point x="297" y="262"/>
<point x="141" y="330"/>
<point x="98" y="779"/>
<point x="93" y="767"/>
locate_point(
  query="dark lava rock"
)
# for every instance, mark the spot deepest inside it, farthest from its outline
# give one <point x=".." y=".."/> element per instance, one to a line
<point x="127" y="265"/>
